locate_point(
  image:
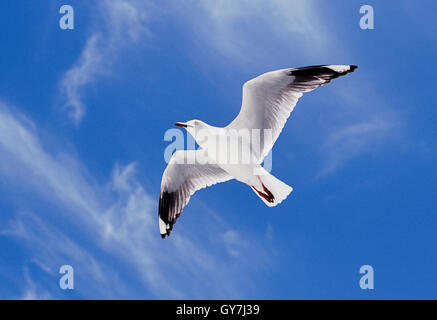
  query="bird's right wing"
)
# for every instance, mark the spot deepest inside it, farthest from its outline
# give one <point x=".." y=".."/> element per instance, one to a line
<point x="186" y="173"/>
<point x="269" y="98"/>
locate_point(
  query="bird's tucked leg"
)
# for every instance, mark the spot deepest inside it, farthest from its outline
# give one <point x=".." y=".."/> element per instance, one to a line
<point x="267" y="195"/>
<point x="264" y="195"/>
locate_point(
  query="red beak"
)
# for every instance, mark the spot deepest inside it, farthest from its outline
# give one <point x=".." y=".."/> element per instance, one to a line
<point x="180" y="124"/>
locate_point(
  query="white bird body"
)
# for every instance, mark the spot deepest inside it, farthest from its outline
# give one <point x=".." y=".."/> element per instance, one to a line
<point x="237" y="150"/>
<point x="232" y="150"/>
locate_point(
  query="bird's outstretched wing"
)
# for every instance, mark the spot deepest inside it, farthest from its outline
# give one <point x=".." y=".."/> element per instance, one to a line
<point x="186" y="173"/>
<point x="269" y="98"/>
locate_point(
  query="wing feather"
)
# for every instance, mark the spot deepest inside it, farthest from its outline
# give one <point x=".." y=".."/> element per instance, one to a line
<point x="183" y="176"/>
<point x="269" y="98"/>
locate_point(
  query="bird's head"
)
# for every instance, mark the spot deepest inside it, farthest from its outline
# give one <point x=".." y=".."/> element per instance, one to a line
<point x="193" y="126"/>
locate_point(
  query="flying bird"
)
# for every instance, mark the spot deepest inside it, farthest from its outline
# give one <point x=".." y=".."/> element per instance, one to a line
<point x="266" y="105"/>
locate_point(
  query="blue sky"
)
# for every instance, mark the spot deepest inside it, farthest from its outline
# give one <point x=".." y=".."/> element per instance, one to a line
<point x="83" y="114"/>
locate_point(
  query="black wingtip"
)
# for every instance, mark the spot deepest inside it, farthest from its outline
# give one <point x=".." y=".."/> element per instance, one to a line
<point x="163" y="235"/>
<point x="309" y="72"/>
<point x="168" y="209"/>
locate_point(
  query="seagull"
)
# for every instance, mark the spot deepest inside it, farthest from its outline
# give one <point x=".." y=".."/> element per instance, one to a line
<point x="266" y="105"/>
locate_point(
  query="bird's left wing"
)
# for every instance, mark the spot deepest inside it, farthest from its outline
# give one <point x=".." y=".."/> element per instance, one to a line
<point x="186" y="173"/>
<point x="269" y="98"/>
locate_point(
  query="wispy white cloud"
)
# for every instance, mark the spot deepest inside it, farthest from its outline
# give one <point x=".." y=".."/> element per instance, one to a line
<point x="118" y="218"/>
<point x="234" y="242"/>
<point x="83" y="72"/>
<point x="52" y="248"/>
<point x="120" y="25"/>
<point x="32" y="291"/>
<point x="255" y="31"/>
<point x="350" y="141"/>
<point x="359" y="124"/>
